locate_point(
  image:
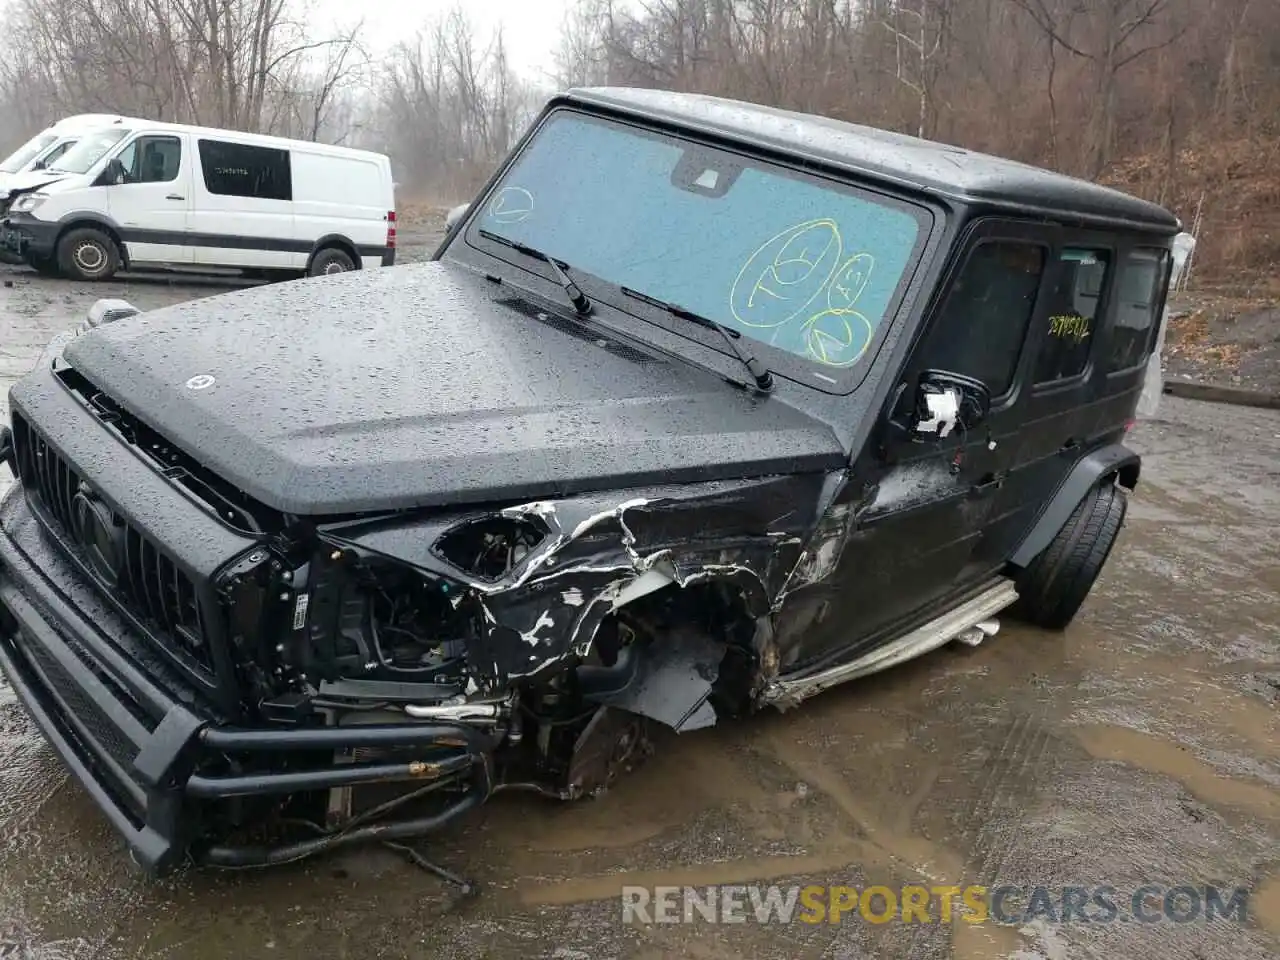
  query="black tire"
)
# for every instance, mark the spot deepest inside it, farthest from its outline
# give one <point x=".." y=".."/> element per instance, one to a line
<point x="330" y="260"/>
<point x="88" y="254"/>
<point x="1055" y="584"/>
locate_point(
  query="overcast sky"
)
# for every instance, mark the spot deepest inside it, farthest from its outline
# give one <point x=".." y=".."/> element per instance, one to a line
<point x="531" y="28"/>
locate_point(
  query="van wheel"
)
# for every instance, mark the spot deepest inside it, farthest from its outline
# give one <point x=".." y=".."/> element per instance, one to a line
<point x="88" y="254"/>
<point x="1054" y="585"/>
<point x="330" y="260"/>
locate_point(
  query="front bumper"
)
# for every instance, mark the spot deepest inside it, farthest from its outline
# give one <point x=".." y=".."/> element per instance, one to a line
<point x="26" y="237"/>
<point x="163" y="768"/>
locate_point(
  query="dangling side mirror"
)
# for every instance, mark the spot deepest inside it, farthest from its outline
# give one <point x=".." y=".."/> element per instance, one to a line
<point x="943" y="402"/>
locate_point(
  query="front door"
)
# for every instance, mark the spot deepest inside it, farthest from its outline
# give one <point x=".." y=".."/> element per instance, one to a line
<point x="152" y="208"/>
<point x="913" y="542"/>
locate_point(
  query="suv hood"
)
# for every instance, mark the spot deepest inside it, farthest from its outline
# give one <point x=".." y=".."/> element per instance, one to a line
<point x="424" y="385"/>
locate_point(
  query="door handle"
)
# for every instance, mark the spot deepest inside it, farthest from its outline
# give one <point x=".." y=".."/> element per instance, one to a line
<point x="175" y="196"/>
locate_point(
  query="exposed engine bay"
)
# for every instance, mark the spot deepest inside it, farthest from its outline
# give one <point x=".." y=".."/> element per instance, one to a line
<point x="561" y="631"/>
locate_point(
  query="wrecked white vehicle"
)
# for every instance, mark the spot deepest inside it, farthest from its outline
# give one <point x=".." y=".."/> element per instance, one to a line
<point x="700" y="407"/>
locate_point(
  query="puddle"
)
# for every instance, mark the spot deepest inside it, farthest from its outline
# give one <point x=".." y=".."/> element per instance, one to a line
<point x="1163" y="757"/>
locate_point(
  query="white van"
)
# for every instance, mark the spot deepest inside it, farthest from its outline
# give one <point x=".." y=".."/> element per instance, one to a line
<point x="157" y="195"/>
<point x="50" y="144"/>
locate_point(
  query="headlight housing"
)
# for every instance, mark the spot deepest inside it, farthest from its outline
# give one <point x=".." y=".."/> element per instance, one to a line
<point x="28" y="202"/>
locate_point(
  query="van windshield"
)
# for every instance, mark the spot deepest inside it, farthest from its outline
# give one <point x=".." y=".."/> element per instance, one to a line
<point x="90" y="149"/>
<point x="810" y="268"/>
<point x="15" y="161"/>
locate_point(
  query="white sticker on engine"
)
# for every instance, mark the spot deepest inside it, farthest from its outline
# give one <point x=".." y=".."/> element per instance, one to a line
<point x="300" y="611"/>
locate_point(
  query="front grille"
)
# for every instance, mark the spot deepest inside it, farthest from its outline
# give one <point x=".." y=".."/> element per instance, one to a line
<point x="129" y="567"/>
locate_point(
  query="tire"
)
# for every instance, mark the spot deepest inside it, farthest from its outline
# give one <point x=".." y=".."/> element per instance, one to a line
<point x="88" y="254"/>
<point x="1055" y="584"/>
<point x="330" y="260"/>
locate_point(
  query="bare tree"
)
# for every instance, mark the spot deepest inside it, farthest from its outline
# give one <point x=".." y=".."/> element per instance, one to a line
<point x="451" y="106"/>
<point x="230" y="63"/>
<point x="917" y="28"/>
<point x="1121" y="29"/>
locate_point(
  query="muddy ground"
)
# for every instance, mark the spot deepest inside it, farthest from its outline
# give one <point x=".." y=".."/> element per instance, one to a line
<point x="1141" y="746"/>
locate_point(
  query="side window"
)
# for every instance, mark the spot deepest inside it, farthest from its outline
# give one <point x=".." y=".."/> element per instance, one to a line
<point x="987" y="313"/>
<point x="1144" y="274"/>
<point x="151" y="160"/>
<point x="57" y="151"/>
<point x="237" y="170"/>
<point x="1075" y="304"/>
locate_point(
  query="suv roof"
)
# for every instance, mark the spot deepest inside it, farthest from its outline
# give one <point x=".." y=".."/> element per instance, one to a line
<point x="894" y="158"/>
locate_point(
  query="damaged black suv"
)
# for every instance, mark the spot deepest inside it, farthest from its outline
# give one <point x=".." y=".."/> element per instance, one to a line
<point x="700" y="407"/>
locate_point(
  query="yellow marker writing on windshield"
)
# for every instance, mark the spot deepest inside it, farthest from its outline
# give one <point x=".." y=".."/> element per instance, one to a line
<point x="785" y="274"/>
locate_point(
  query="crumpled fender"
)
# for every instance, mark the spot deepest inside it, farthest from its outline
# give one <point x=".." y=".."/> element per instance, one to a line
<point x="601" y="552"/>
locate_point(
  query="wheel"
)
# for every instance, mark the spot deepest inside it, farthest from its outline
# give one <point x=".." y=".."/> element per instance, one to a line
<point x="330" y="260"/>
<point x="45" y="266"/>
<point x="88" y="254"/>
<point x="1054" y="585"/>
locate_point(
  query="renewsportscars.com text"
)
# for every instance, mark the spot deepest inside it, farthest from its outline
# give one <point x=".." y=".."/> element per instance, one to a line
<point x="1004" y="904"/>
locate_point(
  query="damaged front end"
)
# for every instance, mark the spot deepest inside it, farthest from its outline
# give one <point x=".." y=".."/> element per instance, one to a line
<point x="377" y="677"/>
<point x="249" y="686"/>
<point x="559" y="630"/>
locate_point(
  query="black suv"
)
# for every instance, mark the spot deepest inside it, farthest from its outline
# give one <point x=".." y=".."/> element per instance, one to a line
<point x="699" y="407"/>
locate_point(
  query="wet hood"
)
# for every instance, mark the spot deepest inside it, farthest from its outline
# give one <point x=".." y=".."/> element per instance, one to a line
<point x="428" y="385"/>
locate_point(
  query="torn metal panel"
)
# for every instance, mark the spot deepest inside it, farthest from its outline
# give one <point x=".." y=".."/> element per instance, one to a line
<point x="566" y="565"/>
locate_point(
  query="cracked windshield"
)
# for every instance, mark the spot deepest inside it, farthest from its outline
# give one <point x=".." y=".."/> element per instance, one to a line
<point x="805" y="266"/>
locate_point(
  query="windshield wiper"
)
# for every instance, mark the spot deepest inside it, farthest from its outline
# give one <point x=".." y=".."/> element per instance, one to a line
<point x="581" y="305"/>
<point x="759" y="372"/>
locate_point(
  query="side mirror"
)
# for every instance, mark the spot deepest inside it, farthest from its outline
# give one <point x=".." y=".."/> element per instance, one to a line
<point x="39" y="165"/>
<point x="453" y="216"/>
<point x="943" y="402"/>
<point x="112" y="174"/>
<point x="107" y="310"/>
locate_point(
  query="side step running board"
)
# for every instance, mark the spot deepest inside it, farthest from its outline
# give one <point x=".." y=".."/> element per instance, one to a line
<point x="952" y="624"/>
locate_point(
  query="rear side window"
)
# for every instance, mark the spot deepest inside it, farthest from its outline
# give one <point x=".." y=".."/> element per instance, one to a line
<point x="238" y="170"/>
<point x="987" y="313"/>
<point x="1140" y="288"/>
<point x="1074" y="307"/>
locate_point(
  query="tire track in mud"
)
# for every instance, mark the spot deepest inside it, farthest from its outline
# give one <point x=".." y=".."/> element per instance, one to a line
<point x="1021" y="756"/>
<point x="911" y="857"/>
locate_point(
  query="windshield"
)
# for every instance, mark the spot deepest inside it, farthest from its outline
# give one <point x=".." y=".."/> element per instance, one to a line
<point x="806" y="266"/>
<point x="82" y="157"/>
<point x="15" y="161"/>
